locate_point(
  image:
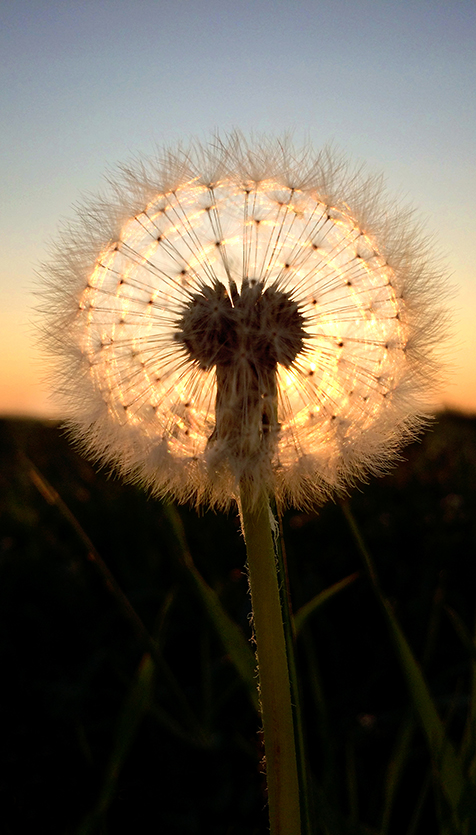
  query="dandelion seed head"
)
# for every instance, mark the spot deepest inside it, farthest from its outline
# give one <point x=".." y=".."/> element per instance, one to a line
<point x="244" y="310"/>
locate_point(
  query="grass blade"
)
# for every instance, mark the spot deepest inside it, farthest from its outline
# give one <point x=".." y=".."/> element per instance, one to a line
<point x="447" y="764"/>
<point x="301" y="616"/>
<point x="135" y="706"/>
<point x="234" y="642"/>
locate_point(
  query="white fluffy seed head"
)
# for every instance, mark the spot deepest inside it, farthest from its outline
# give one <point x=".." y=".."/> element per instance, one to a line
<point x="244" y="310"/>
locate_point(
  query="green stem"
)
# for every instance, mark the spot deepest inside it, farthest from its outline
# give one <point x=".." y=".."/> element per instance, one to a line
<point x="275" y="693"/>
<point x="290" y="639"/>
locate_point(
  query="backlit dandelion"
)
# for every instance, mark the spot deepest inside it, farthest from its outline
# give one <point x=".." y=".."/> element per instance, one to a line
<point x="243" y="310"/>
<point x="238" y="320"/>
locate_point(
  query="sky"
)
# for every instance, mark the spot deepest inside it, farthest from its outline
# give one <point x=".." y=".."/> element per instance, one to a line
<point x="86" y="85"/>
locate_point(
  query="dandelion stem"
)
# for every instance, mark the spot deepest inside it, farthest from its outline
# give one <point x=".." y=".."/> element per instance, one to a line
<point x="290" y="638"/>
<point x="275" y="692"/>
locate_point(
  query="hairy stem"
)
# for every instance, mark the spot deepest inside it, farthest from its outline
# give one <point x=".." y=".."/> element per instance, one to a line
<point x="275" y="693"/>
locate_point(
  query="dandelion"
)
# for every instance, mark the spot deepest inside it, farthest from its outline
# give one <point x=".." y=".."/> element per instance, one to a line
<point x="239" y="320"/>
<point x="244" y="310"/>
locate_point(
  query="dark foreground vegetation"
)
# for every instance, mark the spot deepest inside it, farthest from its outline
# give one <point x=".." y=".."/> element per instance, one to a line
<point x="96" y="738"/>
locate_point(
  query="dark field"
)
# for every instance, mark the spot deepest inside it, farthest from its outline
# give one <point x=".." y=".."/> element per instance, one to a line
<point x="176" y="751"/>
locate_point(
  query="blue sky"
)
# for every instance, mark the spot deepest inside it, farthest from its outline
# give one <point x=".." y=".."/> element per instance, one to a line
<point x="85" y="85"/>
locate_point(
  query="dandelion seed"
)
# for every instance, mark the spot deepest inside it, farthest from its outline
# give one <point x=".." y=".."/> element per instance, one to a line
<point x="244" y="311"/>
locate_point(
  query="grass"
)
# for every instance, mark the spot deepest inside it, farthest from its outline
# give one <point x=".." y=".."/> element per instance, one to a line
<point x="98" y="738"/>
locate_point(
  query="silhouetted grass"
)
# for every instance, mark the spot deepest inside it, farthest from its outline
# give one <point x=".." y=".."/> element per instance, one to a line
<point x="182" y="740"/>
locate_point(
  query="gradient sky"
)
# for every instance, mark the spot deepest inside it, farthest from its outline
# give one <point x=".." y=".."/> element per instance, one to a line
<point x="85" y="85"/>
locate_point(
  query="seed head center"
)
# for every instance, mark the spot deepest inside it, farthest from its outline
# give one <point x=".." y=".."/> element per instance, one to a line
<point x="262" y="327"/>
